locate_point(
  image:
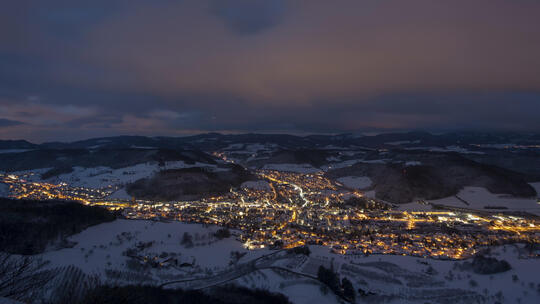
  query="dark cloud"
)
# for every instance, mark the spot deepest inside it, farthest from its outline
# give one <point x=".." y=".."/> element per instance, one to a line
<point x="8" y="123"/>
<point x="249" y="16"/>
<point x="106" y="67"/>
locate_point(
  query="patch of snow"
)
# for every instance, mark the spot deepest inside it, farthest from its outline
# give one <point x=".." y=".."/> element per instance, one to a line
<point x="143" y="147"/>
<point x="256" y="185"/>
<point x="120" y="194"/>
<point x="351" y="162"/>
<point x="402" y="142"/>
<point x="507" y="146"/>
<point x="478" y="198"/>
<point x="536" y="187"/>
<point x="298" y="168"/>
<point x="355" y="182"/>
<point x="100" y="177"/>
<point x="339" y="165"/>
<point x="376" y="161"/>
<point x="412" y="163"/>
<point x="333" y="159"/>
<point x="457" y="149"/>
<point x="99" y="247"/>
<point x="350" y="153"/>
<point x="255" y="147"/>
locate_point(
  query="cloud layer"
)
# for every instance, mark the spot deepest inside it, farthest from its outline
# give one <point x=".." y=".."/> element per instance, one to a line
<point x="174" y="67"/>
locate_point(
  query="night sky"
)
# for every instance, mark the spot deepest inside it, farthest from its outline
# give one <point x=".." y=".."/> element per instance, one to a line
<point x="77" y="69"/>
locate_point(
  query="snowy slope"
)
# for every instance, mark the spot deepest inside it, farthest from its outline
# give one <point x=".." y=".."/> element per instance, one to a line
<point x="478" y="198"/>
<point x="99" y="177"/>
<point x="99" y="245"/>
<point x="394" y="279"/>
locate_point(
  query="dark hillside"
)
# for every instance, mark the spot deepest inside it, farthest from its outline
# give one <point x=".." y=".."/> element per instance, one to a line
<point x="28" y="226"/>
<point x="437" y="176"/>
<point x="114" y="158"/>
<point x="150" y="295"/>
<point x="16" y="144"/>
<point x="188" y="183"/>
<point x="313" y="157"/>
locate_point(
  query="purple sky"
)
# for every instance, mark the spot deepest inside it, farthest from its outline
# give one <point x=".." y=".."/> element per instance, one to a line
<point x="74" y="69"/>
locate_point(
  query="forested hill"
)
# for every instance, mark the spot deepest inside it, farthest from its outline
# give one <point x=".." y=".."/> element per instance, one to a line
<point x="29" y="226"/>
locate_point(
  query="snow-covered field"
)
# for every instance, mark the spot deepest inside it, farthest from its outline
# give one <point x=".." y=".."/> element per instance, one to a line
<point x="413" y="272"/>
<point x="478" y="198"/>
<point x="299" y="290"/>
<point x="341" y="164"/>
<point x="99" y="250"/>
<point x="350" y="162"/>
<point x="298" y="168"/>
<point x="99" y="177"/>
<point x="412" y="163"/>
<point x="100" y="247"/>
<point x="394" y="279"/>
<point x="536" y="187"/>
<point x="457" y="149"/>
<point x="257" y="185"/>
<point x="355" y="182"/>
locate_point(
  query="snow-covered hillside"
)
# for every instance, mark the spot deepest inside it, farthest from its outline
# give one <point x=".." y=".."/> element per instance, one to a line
<point x="394" y="279"/>
<point x="100" y="177"/>
<point x="257" y="185"/>
<point x="100" y="247"/>
<point x="355" y="182"/>
<point x="480" y="198"/>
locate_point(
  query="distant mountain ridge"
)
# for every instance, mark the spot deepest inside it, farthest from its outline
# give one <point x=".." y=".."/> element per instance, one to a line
<point x="217" y="140"/>
<point x="17" y="144"/>
<point x="518" y="152"/>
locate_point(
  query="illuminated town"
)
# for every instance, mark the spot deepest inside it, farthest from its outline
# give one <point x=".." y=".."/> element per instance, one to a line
<point x="292" y="209"/>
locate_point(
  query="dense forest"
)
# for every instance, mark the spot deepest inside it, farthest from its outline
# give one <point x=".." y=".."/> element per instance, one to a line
<point x="29" y="226"/>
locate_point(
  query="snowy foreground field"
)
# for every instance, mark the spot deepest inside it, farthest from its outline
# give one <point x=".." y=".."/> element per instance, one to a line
<point x="115" y="253"/>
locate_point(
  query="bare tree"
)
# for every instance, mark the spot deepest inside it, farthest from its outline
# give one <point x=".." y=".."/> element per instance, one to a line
<point x="22" y="277"/>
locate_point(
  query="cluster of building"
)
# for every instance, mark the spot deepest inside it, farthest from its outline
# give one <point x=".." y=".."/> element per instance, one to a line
<point x="22" y="187"/>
